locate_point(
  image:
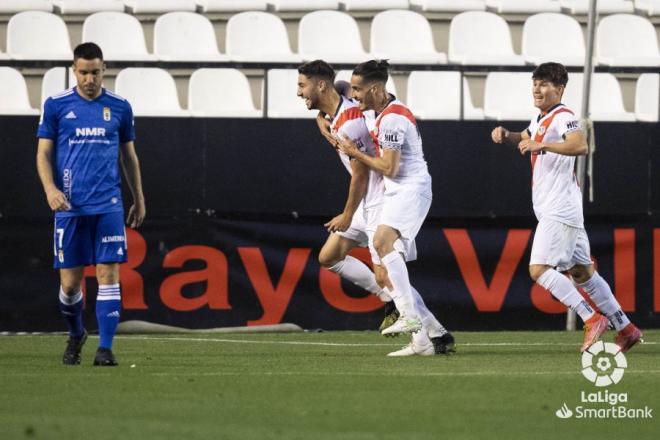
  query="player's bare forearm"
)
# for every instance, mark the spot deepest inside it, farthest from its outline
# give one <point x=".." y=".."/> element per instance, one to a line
<point x="575" y="144"/>
<point x="388" y="165"/>
<point x="501" y="135"/>
<point x="357" y="188"/>
<point x="131" y="168"/>
<point x="56" y="199"/>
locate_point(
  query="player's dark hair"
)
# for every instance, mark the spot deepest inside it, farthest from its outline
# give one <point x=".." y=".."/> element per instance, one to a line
<point x="87" y="51"/>
<point x="553" y="72"/>
<point x="373" y="70"/>
<point x="318" y="69"/>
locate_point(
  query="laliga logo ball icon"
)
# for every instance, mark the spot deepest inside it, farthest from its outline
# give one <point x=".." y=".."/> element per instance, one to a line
<point x="597" y="364"/>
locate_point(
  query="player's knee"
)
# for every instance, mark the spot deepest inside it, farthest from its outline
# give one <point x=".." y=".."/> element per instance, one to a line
<point x="327" y="259"/>
<point x="581" y="274"/>
<point x="535" y="271"/>
<point x="382" y="246"/>
<point x="107" y="273"/>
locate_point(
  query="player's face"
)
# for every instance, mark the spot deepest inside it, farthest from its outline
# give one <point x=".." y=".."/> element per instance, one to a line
<point x="89" y="75"/>
<point x="362" y="93"/>
<point x="308" y="90"/>
<point x="546" y="94"/>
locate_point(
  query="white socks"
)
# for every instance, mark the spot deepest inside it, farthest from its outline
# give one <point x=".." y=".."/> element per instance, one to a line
<point x="429" y="321"/>
<point x="562" y="289"/>
<point x="359" y="274"/>
<point x="602" y="296"/>
<point x="402" y="294"/>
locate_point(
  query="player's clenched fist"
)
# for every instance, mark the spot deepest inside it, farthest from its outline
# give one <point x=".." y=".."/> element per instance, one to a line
<point x="499" y="134"/>
<point x="57" y="200"/>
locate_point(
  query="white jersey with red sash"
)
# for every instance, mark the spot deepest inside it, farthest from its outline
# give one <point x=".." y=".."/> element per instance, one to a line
<point x="555" y="191"/>
<point x="349" y="122"/>
<point x="395" y="128"/>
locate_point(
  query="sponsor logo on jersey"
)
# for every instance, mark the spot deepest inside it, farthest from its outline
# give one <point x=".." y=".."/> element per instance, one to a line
<point x="90" y="131"/>
<point x="391" y="137"/>
<point x="572" y="125"/>
<point x="106" y="114"/>
<point x="112" y="238"/>
<point x="70" y="115"/>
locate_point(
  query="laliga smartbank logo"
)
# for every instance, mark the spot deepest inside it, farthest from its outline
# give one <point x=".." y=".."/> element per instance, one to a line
<point x="603" y="364"/>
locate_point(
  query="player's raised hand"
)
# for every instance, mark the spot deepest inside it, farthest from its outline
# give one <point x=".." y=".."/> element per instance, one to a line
<point x="136" y="214"/>
<point x="339" y="224"/>
<point x="499" y="134"/>
<point x="529" y="145"/>
<point x="347" y="146"/>
<point x="57" y="200"/>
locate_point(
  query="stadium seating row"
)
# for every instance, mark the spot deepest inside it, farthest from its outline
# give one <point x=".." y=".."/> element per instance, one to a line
<point x="431" y="95"/>
<point x="255" y="36"/>
<point x="649" y="7"/>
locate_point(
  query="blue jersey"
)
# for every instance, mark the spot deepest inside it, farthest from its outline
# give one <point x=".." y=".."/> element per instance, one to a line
<point x="86" y="136"/>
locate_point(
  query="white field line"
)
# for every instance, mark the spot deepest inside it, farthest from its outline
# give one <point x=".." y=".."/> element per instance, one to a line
<point x="341" y="344"/>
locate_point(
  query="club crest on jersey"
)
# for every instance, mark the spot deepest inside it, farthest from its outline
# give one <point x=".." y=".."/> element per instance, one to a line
<point x="542" y="129"/>
<point x="60" y="256"/>
<point x="106" y="114"/>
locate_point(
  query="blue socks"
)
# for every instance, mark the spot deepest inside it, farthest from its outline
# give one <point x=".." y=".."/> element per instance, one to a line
<point x="108" y="307"/>
<point x="72" y="308"/>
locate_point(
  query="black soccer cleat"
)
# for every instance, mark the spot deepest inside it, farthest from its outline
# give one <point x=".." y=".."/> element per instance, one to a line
<point x="104" y="358"/>
<point x="391" y="316"/>
<point x="444" y="344"/>
<point x="73" y="348"/>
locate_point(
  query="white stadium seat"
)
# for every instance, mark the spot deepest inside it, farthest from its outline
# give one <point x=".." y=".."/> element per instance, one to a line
<point x="258" y="36"/>
<point x="626" y="40"/>
<point x="345" y="45"/>
<point x="283" y="101"/>
<point x="185" y="36"/>
<point x="119" y="35"/>
<point x="13" y="93"/>
<point x="345" y="75"/>
<point x="603" y="6"/>
<point x="448" y="5"/>
<point x="372" y="5"/>
<point x="55" y="81"/>
<point x="477" y="37"/>
<point x="38" y="35"/>
<point x="150" y="90"/>
<point x="648" y="7"/>
<point x="566" y="45"/>
<point x="522" y="6"/>
<point x="437" y="95"/>
<point x="14" y="6"/>
<point x="87" y="6"/>
<point x="404" y="37"/>
<point x="159" y="6"/>
<point x="303" y="5"/>
<point x="220" y="93"/>
<point x="508" y="96"/>
<point x="647" y="97"/>
<point x="605" y="102"/>
<point x="232" y="5"/>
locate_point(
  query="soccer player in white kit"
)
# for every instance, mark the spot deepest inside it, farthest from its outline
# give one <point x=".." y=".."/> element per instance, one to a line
<point x="554" y="138"/>
<point x="356" y="226"/>
<point x="408" y="195"/>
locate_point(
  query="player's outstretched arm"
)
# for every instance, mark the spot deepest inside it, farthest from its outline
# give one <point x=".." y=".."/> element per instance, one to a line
<point x="387" y="165"/>
<point x="56" y="198"/>
<point x="575" y="144"/>
<point x="501" y="135"/>
<point x="131" y="168"/>
<point x="356" y="192"/>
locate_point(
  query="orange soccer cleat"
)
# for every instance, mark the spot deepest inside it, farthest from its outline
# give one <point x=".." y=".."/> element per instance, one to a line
<point x="594" y="327"/>
<point x="628" y="337"/>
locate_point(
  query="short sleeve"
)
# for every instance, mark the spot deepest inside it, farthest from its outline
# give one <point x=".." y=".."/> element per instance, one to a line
<point x="356" y="130"/>
<point x="391" y="132"/>
<point x="127" y="128"/>
<point x="566" y="123"/>
<point x="48" y="125"/>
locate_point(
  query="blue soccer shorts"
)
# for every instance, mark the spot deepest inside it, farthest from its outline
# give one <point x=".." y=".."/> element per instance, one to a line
<point x="89" y="239"/>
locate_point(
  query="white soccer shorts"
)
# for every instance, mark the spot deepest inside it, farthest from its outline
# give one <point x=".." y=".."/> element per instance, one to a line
<point x="559" y="245"/>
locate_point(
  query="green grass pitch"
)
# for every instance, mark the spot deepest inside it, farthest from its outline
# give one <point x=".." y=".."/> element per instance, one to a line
<point x="309" y="386"/>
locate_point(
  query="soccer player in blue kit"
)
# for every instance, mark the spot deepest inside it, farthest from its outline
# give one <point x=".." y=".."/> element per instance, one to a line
<point x="84" y="133"/>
